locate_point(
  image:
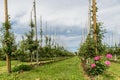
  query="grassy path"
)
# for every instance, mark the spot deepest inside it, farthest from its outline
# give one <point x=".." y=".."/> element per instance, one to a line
<point x="64" y="70"/>
<point x="115" y="68"/>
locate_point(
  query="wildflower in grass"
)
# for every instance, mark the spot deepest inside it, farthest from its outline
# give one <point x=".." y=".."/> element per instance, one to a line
<point x="97" y="58"/>
<point x="107" y="63"/>
<point x="93" y="65"/>
<point x="109" y="56"/>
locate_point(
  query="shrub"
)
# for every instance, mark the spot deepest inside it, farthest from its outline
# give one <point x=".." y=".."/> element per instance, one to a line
<point x="22" y="67"/>
<point x="97" y="70"/>
<point x="99" y="66"/>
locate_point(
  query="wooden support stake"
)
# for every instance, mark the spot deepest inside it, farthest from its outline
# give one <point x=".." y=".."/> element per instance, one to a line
<point x="94" y="24"/>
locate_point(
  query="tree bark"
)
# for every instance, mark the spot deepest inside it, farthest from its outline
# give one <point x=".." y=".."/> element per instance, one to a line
<point x="31" y="58"/>
<point x="8" y="57"/>
<point x="8" y="62"/>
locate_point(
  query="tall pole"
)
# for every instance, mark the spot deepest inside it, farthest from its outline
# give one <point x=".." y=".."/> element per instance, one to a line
<point x="6" y="10"/>
<point x="94" y="23"/>
<point x="89" y="16"/>
<point x="46" y="35"/>
<point x="46" y="28"/>
<point x="112" y="43"/>
<point x="36" y="31"/>
<point x="82" y="37"/>
<point x="41" y="31"/>
<point x="84" y="32"/>
<point x="31" y="26"/>
<point x="54" y="38"/>
<point x="8" y="59"/>
<point x="35" y="18"/>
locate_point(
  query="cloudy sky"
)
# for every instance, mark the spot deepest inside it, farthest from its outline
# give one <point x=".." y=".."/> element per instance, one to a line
<point x="67" y="18"/>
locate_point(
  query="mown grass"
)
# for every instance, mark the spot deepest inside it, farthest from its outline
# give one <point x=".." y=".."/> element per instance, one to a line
<point x="16" y="63"/>
<point x="115" y="70"/>
<point x="3" y="63"/>
<point x="113" y="73"/>
<point x="68" y="69"/>
<point x="63" y="70"/>
<point x="13" y="63"/>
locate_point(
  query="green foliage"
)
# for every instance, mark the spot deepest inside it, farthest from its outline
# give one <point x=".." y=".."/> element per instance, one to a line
<point x="116" y="50"/>
<point x="87" y="49"/>
<point x="50" y="52"/>
<point x="9" y="45"/>
<point x="110" y="50"/>
<point x="30" y="43"/>
<point x="98" y="70"/>
<point x="20" y="55"/>
<point x="2" y="55"/>
<point x="100" y="34"/>
<point x="22" y="67"/>
<point x="32" y="24"/>
<point x="7" y="25"/>
<point x="7" y="39"/>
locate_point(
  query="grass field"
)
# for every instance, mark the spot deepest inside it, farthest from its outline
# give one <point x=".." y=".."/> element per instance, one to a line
<point x="68" y="69"/>
<point x="115" y="69"/>
<point x="64" y="70"/>
<point x="15" y="63"/>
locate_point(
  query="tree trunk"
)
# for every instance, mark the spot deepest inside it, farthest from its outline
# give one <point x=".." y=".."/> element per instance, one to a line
<point x="115" y="57"/>
<point x="8" y="59"/>
<point x="31" y="57"/>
